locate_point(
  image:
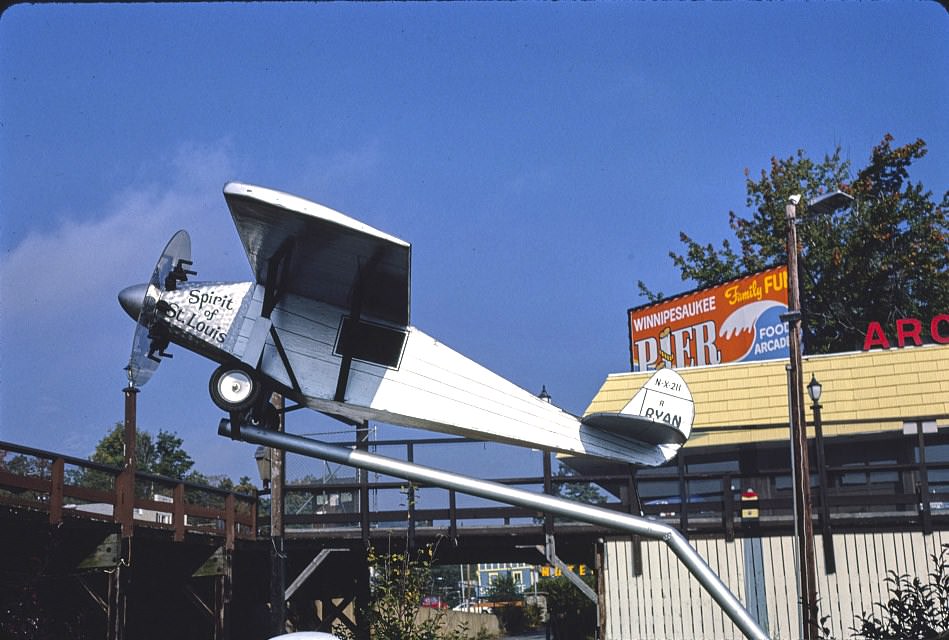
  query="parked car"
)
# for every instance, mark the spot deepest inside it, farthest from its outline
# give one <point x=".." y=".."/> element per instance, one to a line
<point x="306" y="635"/>
<point x="474" y="606"/>
<point x="434" y="602"/>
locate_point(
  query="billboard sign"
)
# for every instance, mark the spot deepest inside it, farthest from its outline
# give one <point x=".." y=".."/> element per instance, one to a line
<point x="737" y="321"/>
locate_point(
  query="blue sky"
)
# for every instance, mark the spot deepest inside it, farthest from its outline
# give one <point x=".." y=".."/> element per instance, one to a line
<point x="541" y="158"/>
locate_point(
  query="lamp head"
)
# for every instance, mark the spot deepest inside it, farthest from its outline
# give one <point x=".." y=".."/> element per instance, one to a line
<point x="262" y="456"/>
<point x="829" y="202"/>
<point x="814" y="389"/>
<point x="543" y="395"/>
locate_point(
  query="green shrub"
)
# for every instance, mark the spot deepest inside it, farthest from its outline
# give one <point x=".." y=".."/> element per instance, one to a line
<point x="914" y="611"/>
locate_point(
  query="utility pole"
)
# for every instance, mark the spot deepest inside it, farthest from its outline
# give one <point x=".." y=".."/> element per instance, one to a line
<point x="807" y="574"/>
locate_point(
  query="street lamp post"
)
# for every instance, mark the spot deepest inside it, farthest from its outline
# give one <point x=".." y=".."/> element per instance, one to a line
<point x="807" y="576"/>
<point x="801" y="468"/>
<point x="814" y="391"/>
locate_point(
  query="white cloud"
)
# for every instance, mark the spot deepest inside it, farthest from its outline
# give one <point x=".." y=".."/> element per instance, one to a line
<point x="63" y="337"/>
<point x="90" y="256"/>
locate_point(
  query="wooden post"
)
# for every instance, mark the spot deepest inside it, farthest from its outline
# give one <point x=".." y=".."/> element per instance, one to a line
<point x="549" y="490"/>
<point x="801" y="475"/>
<point x="600" y="569"/>
<point x="125" y="483"/>
<point x="224" y="590"/>
<point x="683" y="495"/>
<point x="58" y="481"/>
<point x="362" y="443"/>
<point x="363" y="596"/>
<point x="728" y="508"/>
<point x="124" y="512"/>
<point x="278" y="558"/>
<point x="452" y="517"/>
<point x="179" y="512"/>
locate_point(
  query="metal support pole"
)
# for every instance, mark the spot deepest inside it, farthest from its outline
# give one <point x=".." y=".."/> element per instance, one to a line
<point x="801" y="470"/>
<point x="518" y="497"/>
<point x="830" y="561"/>
<point x="925" y="514"/>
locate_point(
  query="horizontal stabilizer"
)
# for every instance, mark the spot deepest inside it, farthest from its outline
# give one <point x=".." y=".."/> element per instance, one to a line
<point x="636" y="428"/>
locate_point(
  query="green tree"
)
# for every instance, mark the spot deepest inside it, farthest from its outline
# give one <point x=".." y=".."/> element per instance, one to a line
<point x="223" y="482"/>
<point x="503" y="589"/>
<point x="572" y="614"/>
<point x="586" y="492"/>
<point x="399" y="582"/>
<point x="884" y="257"/>
<point x="161" y="455"/>
<point x="510" y="608"/>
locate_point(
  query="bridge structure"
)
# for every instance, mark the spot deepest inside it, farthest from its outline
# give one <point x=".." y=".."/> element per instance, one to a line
<point x="98" y="551"/>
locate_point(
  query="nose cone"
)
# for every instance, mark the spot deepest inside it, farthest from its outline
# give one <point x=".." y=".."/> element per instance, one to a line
<point x="132" y="298"/>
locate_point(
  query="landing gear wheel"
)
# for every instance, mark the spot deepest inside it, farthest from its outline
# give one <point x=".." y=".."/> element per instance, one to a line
<point x="234" y="387"/>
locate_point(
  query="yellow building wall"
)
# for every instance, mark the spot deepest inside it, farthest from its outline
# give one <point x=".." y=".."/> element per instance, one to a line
<point x="863" y="392"/>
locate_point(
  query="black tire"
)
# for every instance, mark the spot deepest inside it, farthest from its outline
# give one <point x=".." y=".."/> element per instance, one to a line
<point x="234" y="387"/>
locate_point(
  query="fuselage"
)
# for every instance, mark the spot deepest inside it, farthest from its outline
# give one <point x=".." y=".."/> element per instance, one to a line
<point x="427" y="385"/>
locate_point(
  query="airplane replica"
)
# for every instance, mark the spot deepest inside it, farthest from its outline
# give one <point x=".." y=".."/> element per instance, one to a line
<point x="326" y="324"/>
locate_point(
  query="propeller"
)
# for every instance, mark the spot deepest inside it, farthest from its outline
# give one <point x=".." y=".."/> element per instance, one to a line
<point x="143" y="303"/>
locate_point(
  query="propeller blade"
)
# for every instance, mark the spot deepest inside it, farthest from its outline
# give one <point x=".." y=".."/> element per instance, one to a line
<point x="171" y="268"/>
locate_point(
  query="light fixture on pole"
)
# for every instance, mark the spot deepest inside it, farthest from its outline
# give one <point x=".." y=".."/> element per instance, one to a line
<point x="829" y="202"/>
<point x="262" y="456"/>
<point x="807" y="574"/>
<point x="814" y="389"/>
<point x="800" y="471"/>
<point x="543" y="395"/>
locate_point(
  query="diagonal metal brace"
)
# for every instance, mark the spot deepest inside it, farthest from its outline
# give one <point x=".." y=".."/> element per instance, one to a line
<point x="653" y="530"/>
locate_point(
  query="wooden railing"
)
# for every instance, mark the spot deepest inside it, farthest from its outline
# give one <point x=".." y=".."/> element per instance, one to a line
<point x="68" y="487"/>
<point x="703" y="504"/>
<point x="707" y="503"/>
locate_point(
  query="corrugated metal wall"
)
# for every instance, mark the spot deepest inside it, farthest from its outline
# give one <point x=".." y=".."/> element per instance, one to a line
<point x="666" y="603"/>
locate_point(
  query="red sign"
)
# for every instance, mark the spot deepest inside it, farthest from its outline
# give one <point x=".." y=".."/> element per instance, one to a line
<point x="737" y="321"/>
<point x="909" y="331"/>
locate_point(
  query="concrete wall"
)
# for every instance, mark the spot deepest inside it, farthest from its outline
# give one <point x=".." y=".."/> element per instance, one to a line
<point x="476" y="622"/>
